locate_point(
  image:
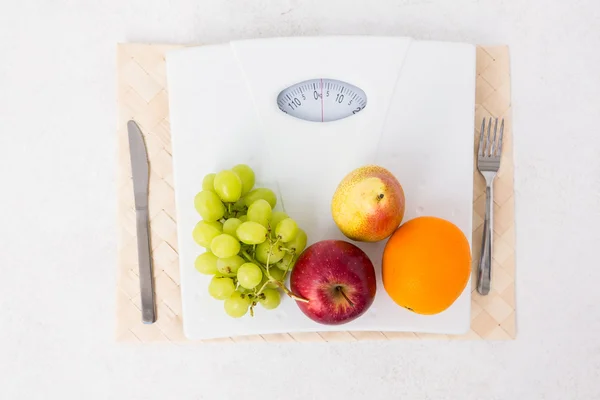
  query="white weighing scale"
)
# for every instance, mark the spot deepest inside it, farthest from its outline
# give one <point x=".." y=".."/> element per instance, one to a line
<point x="304" y="112"/>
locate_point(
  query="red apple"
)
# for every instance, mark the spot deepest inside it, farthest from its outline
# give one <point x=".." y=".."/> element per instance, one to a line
<point x="338" y="280"/>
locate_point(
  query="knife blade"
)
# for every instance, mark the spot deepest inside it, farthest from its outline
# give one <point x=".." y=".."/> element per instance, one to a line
<point x="140" y="176"/>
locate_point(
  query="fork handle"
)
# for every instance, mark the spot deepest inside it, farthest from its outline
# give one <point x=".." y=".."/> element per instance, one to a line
<point x="484" y="275"/>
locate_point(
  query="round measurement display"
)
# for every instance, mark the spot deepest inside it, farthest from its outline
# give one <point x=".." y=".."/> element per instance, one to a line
<point x="322" y="100"/>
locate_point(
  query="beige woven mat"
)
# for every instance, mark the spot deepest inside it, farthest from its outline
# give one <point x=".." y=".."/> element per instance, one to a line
<point x="142" y="96"/>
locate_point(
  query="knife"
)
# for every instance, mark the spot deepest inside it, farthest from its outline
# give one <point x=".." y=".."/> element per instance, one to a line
<point x="139" y="171"/>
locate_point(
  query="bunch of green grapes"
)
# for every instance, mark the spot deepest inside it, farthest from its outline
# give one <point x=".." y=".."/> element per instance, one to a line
<point x="250" y="247"/>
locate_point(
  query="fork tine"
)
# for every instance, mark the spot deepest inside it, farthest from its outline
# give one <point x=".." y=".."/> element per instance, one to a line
<point x="501" y="137"/>
<point x="485" y="140"/>
<point x="488" y="142"/>
<point x="494" y="146"/>
<point x="480" y="151"/>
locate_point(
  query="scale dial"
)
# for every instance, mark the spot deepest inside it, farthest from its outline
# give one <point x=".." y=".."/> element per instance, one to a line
<point x="322" y="100"/>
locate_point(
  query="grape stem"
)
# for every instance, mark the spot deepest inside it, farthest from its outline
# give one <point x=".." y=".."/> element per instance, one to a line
<point x="263" y="287"/>
<point x="271" y="279"/>
<point x="247" y="256"/>
<point x="271" y="244"/>
<point x="281" y="285"/>
<point x="290" y="293"/>
<point x="287" y="268"/>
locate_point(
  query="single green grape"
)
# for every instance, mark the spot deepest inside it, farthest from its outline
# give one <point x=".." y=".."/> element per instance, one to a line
<point x="231" y="225"/>
<point x="246" y="175"/>
<point x="228" y="186"/>
<point x="262" y="252"/>
<point x="224" y="246"/>
<point x="204" y="232"/>
<point x="206" y="263"/>
<point x="209" y="206"/>
<point x="260" y="211"/>
<point x="216" y="224"/>
<point x="208" y="183"/>
<point x="276" y="218"/>
<point x="249" y="275"/>
<point x="251" y="233"/>
<point x="277" y="274"/>
<point x="286" y="263"/>
<point x="286" y="230"/>
<point x="298" y="243"/>
<point x="261" y="193"/>
<point x="220" y="287"/>
<point x="236" y="305"/>
<point x="270" y="299"/>
<point x="229" y="266"/>
<point x="243" y="218"/>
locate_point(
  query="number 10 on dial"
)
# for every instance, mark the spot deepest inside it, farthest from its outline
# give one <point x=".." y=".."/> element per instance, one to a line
<point x="322" y="100"/>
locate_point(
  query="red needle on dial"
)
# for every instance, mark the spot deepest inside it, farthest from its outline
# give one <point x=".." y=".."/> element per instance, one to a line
<point x="322" y="106"/>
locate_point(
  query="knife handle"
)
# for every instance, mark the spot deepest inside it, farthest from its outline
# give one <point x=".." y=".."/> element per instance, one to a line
<point x="145" y="265"/>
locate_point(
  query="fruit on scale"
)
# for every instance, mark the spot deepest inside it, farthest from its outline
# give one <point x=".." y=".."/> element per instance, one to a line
<point x="250" y="248"/>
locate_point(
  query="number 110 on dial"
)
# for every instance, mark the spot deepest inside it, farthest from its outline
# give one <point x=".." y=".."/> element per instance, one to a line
<point x="322" y="100"/>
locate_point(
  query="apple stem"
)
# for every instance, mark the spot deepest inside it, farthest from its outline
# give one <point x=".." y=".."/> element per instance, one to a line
<point x="339" y="289"/>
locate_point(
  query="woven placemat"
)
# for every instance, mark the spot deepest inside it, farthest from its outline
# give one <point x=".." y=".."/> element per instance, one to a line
<point x="142" y="96"/>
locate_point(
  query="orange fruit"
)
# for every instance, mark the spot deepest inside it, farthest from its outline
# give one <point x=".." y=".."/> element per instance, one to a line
<point x="426" y="265"/>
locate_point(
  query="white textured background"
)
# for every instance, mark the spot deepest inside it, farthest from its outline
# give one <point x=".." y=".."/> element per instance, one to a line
<point x="57" y="207"/>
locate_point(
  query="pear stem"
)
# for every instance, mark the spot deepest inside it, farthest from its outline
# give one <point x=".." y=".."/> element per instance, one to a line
<point x="339" y="289"/>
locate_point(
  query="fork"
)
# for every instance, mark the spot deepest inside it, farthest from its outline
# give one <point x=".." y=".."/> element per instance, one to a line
<point x="488" y="163"/>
